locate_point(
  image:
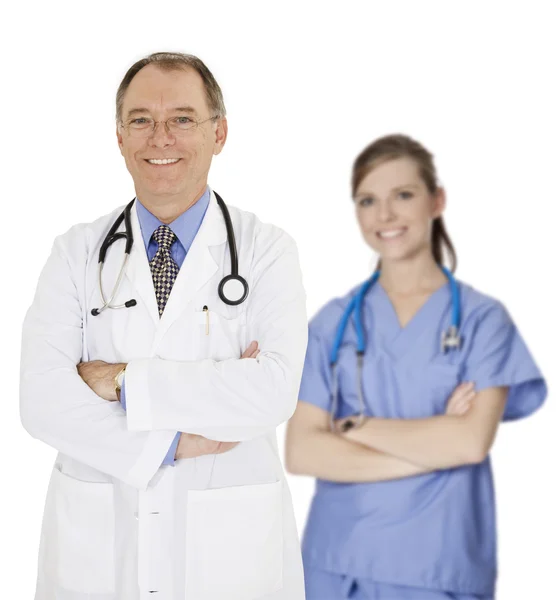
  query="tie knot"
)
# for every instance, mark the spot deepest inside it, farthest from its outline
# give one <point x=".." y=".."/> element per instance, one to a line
<point x="164" y="236"/>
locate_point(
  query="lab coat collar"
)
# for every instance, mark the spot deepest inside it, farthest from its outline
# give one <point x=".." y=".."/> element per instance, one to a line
<point x="197" y="268"/>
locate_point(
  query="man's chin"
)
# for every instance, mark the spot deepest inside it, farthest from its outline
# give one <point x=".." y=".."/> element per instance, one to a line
<point x="163" y="188"/>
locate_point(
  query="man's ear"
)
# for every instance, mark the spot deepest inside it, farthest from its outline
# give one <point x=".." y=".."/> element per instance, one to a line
<point x="221" y="135"/>
<point x="119" y="140"/>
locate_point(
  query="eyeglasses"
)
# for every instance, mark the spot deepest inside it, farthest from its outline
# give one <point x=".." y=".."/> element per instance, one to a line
<point x="145" y="126"/>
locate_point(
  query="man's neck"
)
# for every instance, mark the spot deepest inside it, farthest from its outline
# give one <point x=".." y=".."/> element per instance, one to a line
<point x="168" y="208"/>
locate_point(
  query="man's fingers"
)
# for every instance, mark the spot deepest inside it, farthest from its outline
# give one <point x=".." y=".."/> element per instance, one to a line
<point x="226" y="446"/>
<point x="251" y="349"/>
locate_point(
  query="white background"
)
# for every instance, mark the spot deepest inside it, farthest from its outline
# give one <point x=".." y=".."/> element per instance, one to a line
<point x="307" y="86"/>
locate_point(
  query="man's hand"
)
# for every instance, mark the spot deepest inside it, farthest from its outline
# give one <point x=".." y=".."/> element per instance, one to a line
<point x="252" y="350"/>
<point x="192" y="445"/>
<point x="100" y="376"/>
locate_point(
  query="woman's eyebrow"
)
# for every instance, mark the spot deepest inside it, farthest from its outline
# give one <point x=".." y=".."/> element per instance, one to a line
<point x="395" y="189"/>
<point x="406" y="185"/>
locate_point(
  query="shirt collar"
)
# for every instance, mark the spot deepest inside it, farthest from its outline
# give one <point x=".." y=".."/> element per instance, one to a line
<point x="185" y="226"/>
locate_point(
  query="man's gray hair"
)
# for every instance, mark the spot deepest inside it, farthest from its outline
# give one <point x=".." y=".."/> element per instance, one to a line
<point x="174" y="61"/>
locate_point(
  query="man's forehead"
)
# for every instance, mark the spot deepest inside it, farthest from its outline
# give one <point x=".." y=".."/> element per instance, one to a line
<point x="154" y="89"/>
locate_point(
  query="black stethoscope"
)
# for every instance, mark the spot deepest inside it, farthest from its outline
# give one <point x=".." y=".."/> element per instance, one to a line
<point x="233" y="289"/>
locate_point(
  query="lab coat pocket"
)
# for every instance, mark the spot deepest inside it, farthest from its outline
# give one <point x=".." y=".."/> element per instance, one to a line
<point x="234" y="542"/>
<point x="218" y="337"/>
<point x="81" y="558"/>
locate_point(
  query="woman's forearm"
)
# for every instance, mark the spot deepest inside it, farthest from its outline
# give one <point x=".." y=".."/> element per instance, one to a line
<point x="438" y="442"/>
<point x="330" y="456"/>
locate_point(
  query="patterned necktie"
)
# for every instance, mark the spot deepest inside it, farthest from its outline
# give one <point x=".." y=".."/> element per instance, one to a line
<point x="164" y="269"/>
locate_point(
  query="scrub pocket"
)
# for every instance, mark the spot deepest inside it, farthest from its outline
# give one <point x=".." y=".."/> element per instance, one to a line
<point x="234" y="542"/>
<point x="80" y="553"/>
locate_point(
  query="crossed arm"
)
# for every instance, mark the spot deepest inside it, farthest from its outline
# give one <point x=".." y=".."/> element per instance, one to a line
<point x="100" y="375"/>
<point x="384" y="449"/>
<point x="243" y="399"/>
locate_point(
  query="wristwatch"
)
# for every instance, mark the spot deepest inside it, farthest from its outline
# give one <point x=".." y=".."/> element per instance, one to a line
<point x="119" y="378"/>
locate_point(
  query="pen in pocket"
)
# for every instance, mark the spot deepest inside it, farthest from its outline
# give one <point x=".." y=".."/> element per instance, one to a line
<point x="205" y="309"/>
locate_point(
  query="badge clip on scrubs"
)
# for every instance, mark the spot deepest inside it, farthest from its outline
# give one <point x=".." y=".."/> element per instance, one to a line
<point x="450" y="340"/>
<point x="233" y="289"/>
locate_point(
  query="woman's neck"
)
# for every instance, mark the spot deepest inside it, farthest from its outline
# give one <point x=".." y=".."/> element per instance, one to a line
<point x="412" y="276"/>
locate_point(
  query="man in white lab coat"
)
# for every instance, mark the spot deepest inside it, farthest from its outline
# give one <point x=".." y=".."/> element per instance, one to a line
<point x="168" y="483"/>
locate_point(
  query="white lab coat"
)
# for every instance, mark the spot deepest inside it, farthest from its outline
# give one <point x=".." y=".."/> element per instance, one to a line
<point x="117" y="525"/>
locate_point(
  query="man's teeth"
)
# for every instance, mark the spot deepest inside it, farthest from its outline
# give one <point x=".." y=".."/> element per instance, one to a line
<point x="164" y="161"/>
<point x="391" y="234"/>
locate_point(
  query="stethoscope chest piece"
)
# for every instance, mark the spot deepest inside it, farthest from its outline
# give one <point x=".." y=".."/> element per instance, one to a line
<point x="233" y="290"/>
<point x="450" y="339"/>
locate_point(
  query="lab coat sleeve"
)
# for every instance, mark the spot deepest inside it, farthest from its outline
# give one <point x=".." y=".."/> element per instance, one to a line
<point x="498" y="356"/>
<point x="235" y="399"/>
<point x="56" y="405"/>
<point x="170" y="456"/>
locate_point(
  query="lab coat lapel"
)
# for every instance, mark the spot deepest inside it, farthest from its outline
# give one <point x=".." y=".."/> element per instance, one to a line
<point x="138" y="269"/>
<point x="198" y="267"/>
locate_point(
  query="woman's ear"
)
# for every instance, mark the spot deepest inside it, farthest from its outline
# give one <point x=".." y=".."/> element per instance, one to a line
<point x="439" y="202"/>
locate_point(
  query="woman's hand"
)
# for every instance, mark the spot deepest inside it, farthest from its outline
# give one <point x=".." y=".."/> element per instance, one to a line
<point x="458" y="405"/>
<point x="461" y="399"/>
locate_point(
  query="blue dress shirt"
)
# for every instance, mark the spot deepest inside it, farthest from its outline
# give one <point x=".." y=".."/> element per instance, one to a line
<point x="185" y="227"/>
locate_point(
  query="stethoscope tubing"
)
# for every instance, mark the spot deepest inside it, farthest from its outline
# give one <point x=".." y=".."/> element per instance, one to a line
<point x="355" y="308"/>
<point x="113" y="236"/>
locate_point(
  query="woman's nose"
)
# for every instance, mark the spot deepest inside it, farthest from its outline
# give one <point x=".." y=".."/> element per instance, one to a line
<point x="385" y="212"/>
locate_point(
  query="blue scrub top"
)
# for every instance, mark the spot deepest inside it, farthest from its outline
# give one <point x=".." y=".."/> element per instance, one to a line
<point x="436" y="530"/>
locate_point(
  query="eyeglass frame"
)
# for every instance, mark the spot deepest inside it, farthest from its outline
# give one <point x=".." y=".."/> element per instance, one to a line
<point x="167" y="128"/>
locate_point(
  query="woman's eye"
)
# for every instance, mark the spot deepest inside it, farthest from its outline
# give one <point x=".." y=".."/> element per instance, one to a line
<point x="405" y="195"/>
<point x="367" y="201"/>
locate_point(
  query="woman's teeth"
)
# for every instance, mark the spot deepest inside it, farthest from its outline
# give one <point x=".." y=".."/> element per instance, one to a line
<point x="164" y="161"/>
<point x="393" y="233"/>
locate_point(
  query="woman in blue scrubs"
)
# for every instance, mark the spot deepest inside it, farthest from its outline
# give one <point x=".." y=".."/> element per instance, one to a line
<point x="404" y="501"/>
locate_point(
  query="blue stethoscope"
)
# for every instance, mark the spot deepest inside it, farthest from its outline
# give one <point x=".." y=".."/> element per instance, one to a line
<point x="450" y="340"/>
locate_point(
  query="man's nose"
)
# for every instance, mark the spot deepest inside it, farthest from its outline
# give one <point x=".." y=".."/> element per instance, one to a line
<point x="161" y="136"/>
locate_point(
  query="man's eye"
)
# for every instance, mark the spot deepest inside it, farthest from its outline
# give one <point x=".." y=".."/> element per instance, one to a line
<point x="140" y="121"/>
<point x="183" y="120"/>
